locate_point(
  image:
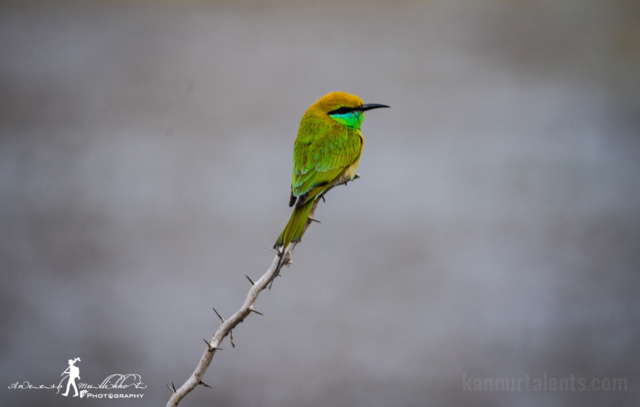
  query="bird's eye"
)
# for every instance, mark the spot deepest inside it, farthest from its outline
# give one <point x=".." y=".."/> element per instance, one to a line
<point x="342" y="110"/>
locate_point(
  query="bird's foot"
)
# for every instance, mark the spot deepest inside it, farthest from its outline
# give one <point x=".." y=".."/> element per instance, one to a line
<point x="355" y="177"/>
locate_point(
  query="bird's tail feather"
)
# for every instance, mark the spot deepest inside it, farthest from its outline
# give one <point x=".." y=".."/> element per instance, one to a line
<point x="294" y="229"/>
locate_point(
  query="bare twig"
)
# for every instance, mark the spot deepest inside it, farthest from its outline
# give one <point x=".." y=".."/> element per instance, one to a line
<point x="247" y="308"/>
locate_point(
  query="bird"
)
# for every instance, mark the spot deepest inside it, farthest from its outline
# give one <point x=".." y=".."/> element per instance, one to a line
<point x="326" y="153"/>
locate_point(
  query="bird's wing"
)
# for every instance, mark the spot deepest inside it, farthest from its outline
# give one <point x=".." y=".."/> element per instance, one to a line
<point x="317" y="163"/>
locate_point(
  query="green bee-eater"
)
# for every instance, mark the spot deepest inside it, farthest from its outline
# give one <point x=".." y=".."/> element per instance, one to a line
<point x="326" y="153"/>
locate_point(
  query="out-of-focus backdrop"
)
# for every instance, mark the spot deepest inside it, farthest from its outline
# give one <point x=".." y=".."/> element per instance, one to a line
<point x="145" y="158"/>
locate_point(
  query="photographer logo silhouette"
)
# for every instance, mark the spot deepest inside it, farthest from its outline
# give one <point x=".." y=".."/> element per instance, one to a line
<point x="114" y="386"/>
<point x="73" y="373"/>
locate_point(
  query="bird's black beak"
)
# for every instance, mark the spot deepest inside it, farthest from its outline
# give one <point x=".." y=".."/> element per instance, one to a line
<point x="370" y="106"/>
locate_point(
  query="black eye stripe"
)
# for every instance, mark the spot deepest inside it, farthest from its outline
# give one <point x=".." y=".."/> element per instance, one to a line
<point x="343" y="110"/>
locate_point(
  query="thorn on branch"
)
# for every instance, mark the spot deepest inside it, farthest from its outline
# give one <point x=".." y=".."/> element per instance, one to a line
<point x="250" y="280"/>
<point x="204" y="384"/>
<point x="211" y="348"/>
<point x="219" y="316"/>
<point x="323" y="200"/>
<point x="169" y="387"/>
<point x="231" y="338"/>
<point x="257" y="312"/>
<point x="314" y="220"/>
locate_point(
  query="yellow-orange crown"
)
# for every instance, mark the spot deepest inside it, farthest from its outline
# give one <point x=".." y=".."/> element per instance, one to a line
<point x="335" y="100"/>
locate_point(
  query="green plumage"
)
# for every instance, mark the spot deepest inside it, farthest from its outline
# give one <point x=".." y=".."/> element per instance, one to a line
<point x="326" y="153"/>
<point x="323" y="152"/>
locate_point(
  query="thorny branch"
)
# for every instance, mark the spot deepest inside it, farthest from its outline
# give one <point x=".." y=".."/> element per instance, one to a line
<point x="227" y="325"/>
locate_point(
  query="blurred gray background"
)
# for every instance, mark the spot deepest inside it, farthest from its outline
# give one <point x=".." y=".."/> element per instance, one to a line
<point x="145" y="160"/>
